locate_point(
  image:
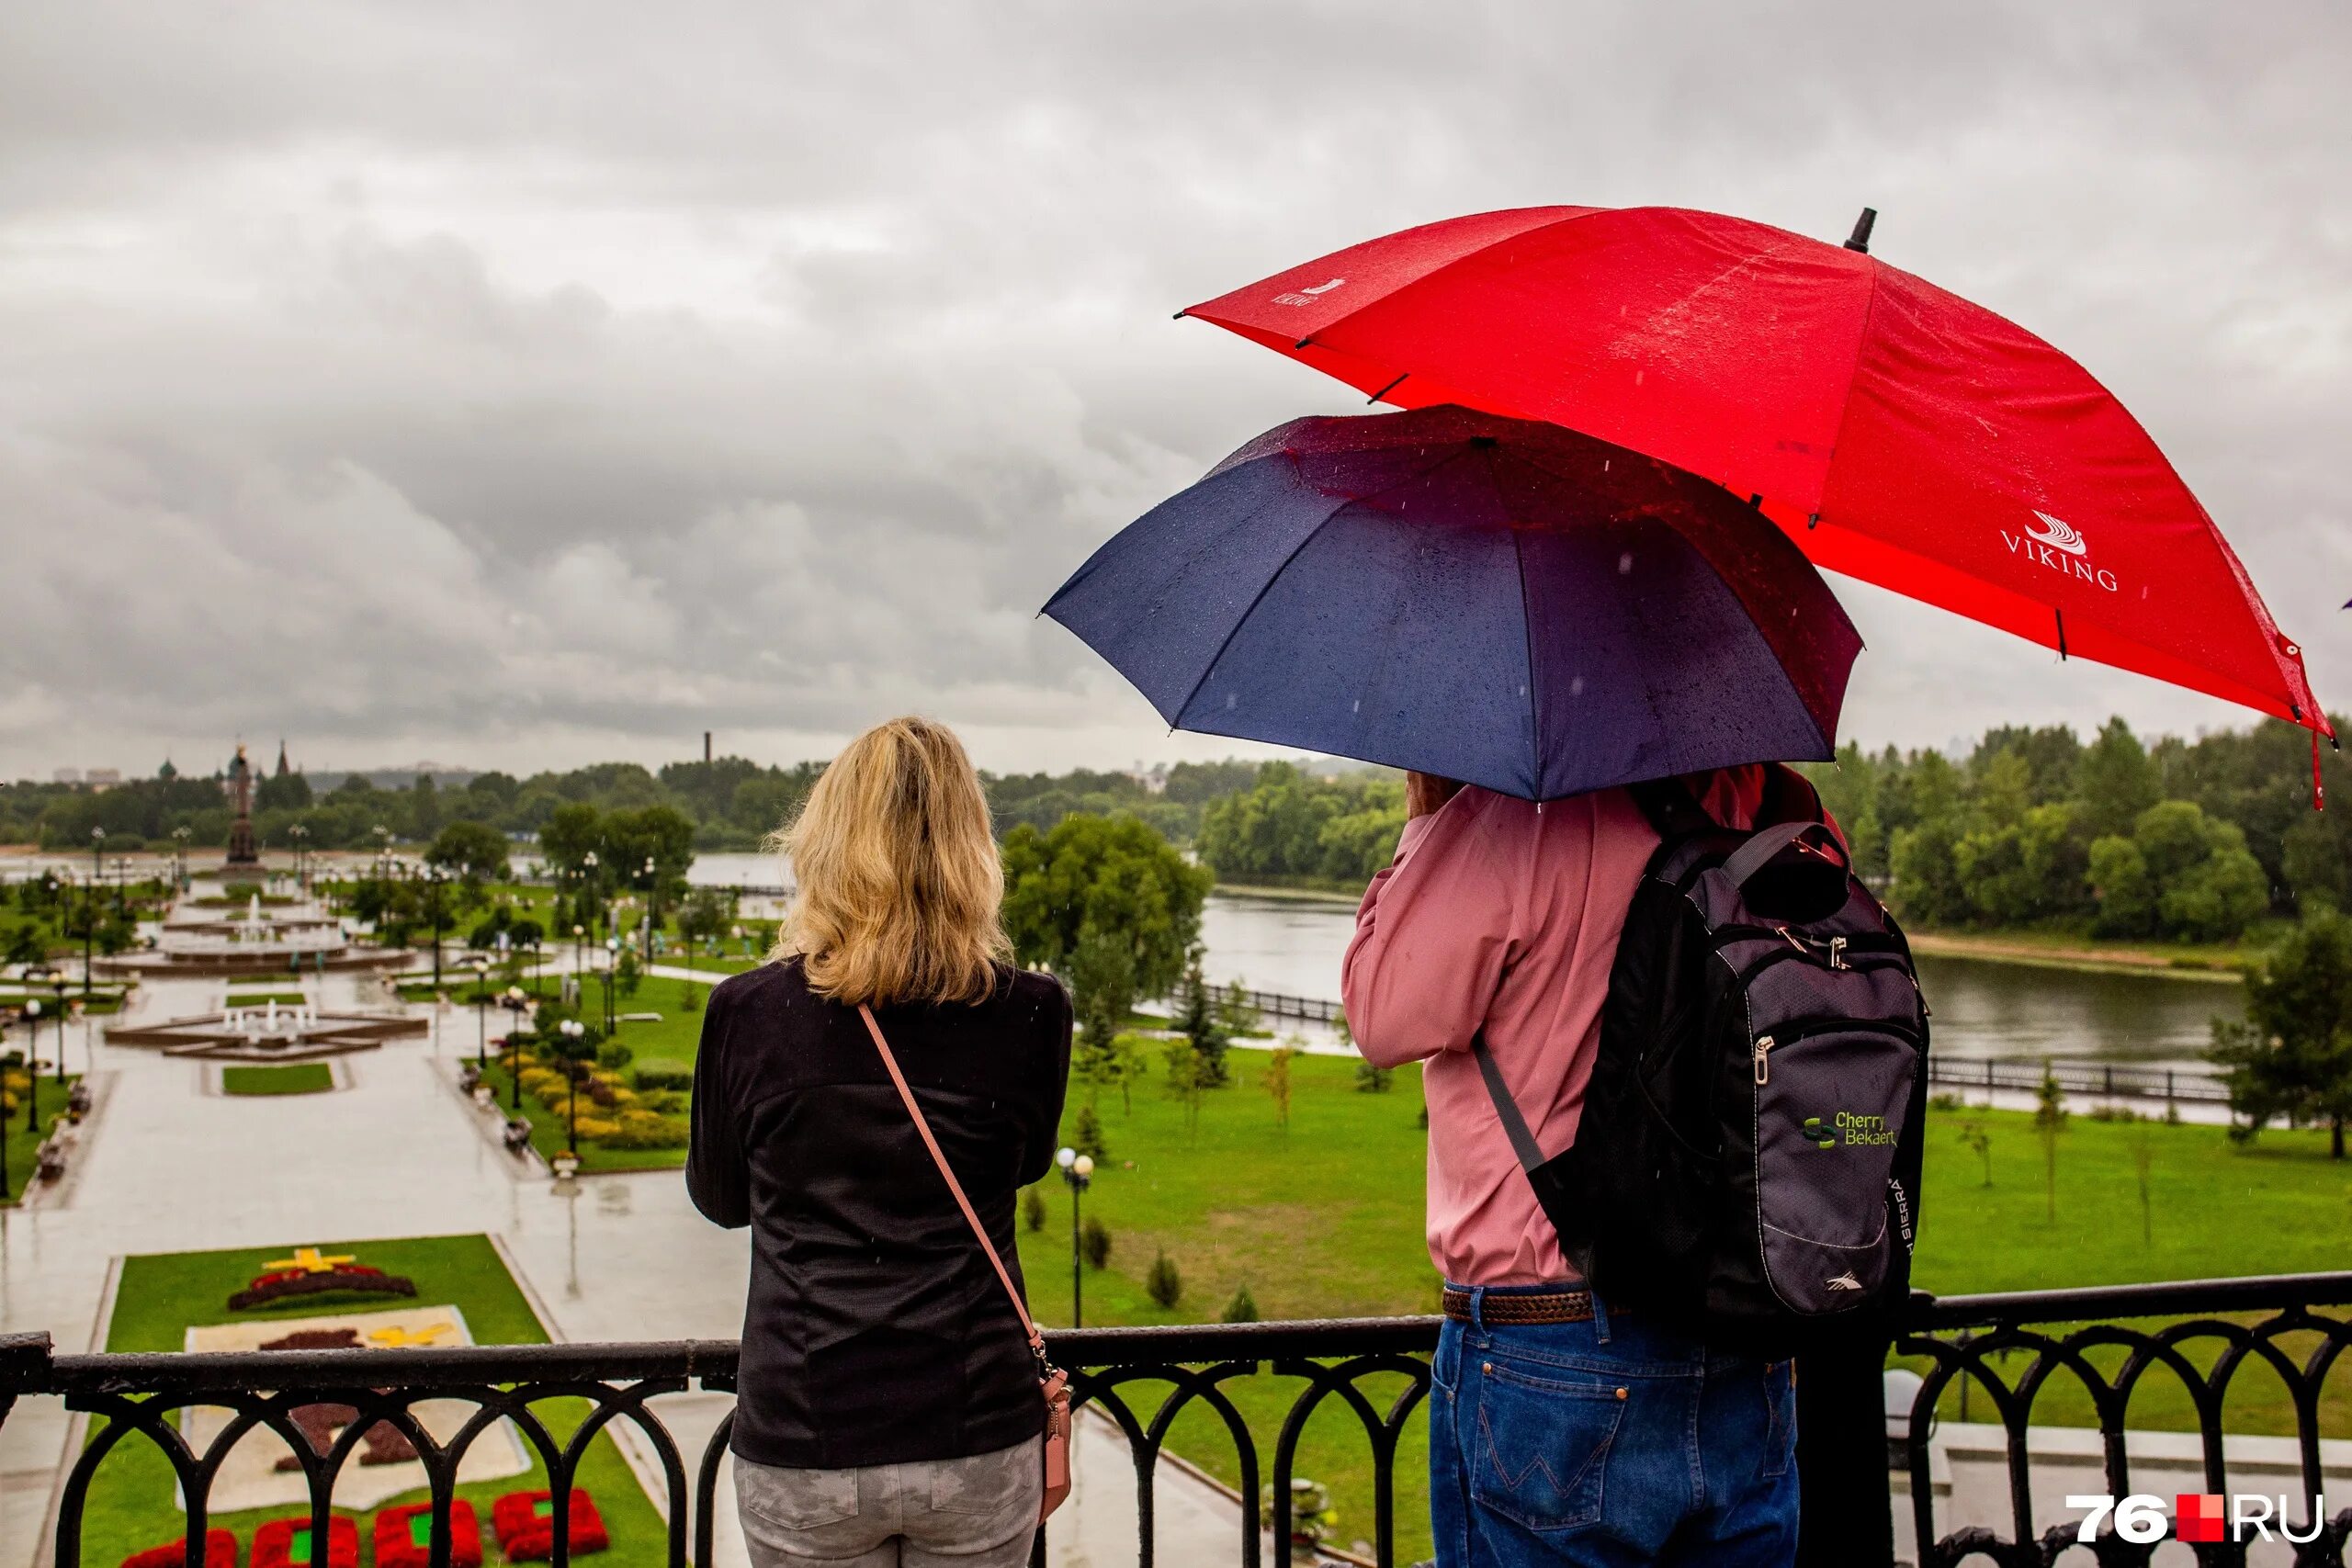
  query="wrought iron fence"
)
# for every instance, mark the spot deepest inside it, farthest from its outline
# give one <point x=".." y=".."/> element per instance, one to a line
<point x="1977" y="1336"/>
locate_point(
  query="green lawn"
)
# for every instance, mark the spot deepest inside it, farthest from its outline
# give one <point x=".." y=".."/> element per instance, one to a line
<point x="263" y="999"/>
<point x="293" y="1077"/>
<point x="1326" y="1220"/>
<point x="131" y="1505"/>
<point x="48" y="1105"/>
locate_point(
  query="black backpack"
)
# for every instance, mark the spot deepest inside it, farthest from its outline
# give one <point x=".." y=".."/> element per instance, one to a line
<point x="1747" y="1163"/>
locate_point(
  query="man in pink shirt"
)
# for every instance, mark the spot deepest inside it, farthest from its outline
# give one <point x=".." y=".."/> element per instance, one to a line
<point x="1558" y="1436"/>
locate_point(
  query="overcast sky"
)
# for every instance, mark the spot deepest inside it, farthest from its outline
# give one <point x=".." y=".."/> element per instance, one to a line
<point x="520" y="385"/>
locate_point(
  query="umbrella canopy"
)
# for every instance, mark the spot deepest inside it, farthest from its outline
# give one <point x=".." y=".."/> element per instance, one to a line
<point x="1899" y="433"/>
<point x="1501" y="602"/>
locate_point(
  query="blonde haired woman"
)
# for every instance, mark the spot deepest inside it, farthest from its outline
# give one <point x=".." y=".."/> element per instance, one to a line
<point x="887" y="1410"/>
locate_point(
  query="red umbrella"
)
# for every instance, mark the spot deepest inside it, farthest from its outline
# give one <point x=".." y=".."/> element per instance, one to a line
<point x="1900" y="434"/>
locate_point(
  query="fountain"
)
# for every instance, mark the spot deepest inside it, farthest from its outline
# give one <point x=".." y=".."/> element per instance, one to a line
<point x="270" y="1034"/>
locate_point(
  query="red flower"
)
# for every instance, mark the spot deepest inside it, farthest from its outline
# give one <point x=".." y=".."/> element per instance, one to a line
<point x="285" y="1543"/>
<point x="220" y="1552"/>
<point x="524" y="1524"/>
<point x="405" y="1536"/>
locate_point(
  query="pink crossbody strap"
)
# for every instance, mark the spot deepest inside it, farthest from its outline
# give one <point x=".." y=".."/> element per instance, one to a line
<point x="1036" y="1340"/>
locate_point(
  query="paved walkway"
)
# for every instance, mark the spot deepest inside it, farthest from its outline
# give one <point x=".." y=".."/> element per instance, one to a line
<point x="167" y="1166"/>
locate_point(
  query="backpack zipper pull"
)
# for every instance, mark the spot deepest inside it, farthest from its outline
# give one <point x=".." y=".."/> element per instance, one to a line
<point x="1763" y="1065"/>
<point x="1837" y="953"/>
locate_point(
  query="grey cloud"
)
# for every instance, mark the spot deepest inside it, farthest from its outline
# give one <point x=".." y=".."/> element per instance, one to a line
<point x="524" y="384"/>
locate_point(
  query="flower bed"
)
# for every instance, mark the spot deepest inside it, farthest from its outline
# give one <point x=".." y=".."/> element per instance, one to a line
<point x="285" y="1543"/>
<point x="220" y="1552"/>
<point x="405" y="1536"/>
<point x="525" y="1525"/>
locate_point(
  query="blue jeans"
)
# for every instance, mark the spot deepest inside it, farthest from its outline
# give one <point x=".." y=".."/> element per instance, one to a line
<point x="1580" y="1445"/>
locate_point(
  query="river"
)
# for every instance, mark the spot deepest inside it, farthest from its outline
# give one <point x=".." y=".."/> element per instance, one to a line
<point x="1982" y="1007"/>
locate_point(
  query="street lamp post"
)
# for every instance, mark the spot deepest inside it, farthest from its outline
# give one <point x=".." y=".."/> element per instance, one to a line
<point x="572" y="1028"/>
<point x="32" y="1067"/>
<point x="612" y="977"/>
<point x="59" y="980"/>
<point x="588" y="877"/>
<point x="301" y="833"/>
<point x="515" y="1044"/>
<point x="90" y="907"/>
<point x="434" y="878"/>
<point x="179" y="857"/>
<point x="653" y="911"/>
<point x="1077" y="1171"/>
<point x="481" y="1013"/>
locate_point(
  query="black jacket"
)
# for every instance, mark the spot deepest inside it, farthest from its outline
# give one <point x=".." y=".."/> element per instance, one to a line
<point x="875" y="1332"/>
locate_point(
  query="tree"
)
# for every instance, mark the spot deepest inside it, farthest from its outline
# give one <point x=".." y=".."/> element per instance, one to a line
<point x="1979" y="1141"/>
<point x="1242" y="1308"/>
<point x="26" y="947"/>
<point x="569" y="832"/>
<point x="2290" y="1058"/>
<point x="2143" y="1159"/>
<point x="628" y="973"/>
<point x="1278" y="1085"/>
<point x="472" y="850"/>
<point x="1164" y="1284"/>
<point x="1114" y="880"/>
<point x="2126" y="898"/>
<point x="1204" y="1030"/>
<point x="1085" y="1135"/>
<point x="1033" y="1209"/>
<point x="1184" y="1080"/>
<point x="2049" y="1120"/>
<point x="1101" y="971"/>
<point x="2114" y="781"/>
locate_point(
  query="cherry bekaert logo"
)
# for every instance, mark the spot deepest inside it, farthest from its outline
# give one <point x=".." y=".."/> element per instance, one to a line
<point x="1308" y="295"/>
<point x="2056" y="546"/>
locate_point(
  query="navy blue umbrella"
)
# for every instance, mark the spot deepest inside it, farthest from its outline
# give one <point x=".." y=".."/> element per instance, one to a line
<point x="1497" y="601"/>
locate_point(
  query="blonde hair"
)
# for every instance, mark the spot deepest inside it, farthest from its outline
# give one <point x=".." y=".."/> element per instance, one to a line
<point x="901" y="890"/>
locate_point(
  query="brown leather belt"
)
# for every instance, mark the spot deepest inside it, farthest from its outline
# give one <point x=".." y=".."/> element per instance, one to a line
<point x="1523" y="1306"/>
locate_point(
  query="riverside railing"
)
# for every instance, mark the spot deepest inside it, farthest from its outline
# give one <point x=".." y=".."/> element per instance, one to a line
<point x="2217" y="1331"/>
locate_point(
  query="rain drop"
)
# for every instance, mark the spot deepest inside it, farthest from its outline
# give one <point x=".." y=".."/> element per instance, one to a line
<point x="1229" y="701"/>
<point x="1625" y="564"/>
<point x="1637" y="377"/>
<point x="1575" y="686"/>
<point x="1356" y="706"/>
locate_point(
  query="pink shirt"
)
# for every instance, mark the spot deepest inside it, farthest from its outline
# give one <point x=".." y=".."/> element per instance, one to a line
<point x="1499" y="914"/>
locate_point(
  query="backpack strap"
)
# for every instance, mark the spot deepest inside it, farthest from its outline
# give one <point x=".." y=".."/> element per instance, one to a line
<point x="1523" y="1141"/>
<point x="1673" y="811"/>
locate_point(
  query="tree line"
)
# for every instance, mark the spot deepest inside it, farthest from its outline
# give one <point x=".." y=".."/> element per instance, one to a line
<point x="2188" y="839"/>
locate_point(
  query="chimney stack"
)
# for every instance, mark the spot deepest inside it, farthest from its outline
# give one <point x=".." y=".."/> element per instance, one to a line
<point x="706" y="747"/>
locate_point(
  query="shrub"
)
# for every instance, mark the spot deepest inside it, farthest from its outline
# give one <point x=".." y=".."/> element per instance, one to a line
<point x="644" y="1130"/>
<point x="613" y="1055"/>
<point x="664" y="1102"/>
<point x="1164" y="1284"/>
<point x="1242" y="1308"/>
<point x="596" y="1127"/>
<point x="1033" y="1209"/>
<point x="405" y="1536"/>
<point x="1094" y="1241"/>
<point x="220" y="1552"/>
<point x="662" y="1072"/>
<point x="525" y="1525"/>
<point x="1371" y="1079"/>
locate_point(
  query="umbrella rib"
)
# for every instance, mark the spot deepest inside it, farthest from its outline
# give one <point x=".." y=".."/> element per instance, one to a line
<point x="1250" y="609"/>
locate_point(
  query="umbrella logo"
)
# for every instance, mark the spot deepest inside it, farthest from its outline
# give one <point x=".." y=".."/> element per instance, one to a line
<point x="2061" y="535"/>
<point x="1308" y="295"/>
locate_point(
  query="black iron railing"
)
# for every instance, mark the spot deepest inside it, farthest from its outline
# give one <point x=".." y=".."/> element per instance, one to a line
<point x="2240" y="1322"/>
<point x="2119" y="1079"/>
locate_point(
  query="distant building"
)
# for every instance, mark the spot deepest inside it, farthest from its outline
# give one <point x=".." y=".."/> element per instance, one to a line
<point x="102" y="778"/>
<point x="282" y="769"/>
<point x="167" y="773"/>
<point x="66" y="775"/>
<point x="1154" y="779"/>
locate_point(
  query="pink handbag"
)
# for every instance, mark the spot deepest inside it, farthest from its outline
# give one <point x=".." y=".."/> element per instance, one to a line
<point x="1052" y="1381"/>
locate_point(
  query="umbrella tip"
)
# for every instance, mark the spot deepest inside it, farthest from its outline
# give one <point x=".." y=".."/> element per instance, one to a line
<point x="1181" y="314"/>
<point x="1860" y="240"/>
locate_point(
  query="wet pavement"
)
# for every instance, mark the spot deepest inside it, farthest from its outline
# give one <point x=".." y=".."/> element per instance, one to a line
<point x="167" y="1164"/>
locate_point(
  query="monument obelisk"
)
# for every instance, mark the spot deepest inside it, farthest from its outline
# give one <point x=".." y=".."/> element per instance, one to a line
<point x="239" y="787"/>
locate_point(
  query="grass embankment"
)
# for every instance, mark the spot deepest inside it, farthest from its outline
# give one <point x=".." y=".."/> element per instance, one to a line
<point x="2078" y="949"/>
<point x="132" y="1504"/>
<point x="1326" y="1220"/>
<point x="263" y="999"/>
<point x="292" y="1077"/>
<point x="49" y="1108"/>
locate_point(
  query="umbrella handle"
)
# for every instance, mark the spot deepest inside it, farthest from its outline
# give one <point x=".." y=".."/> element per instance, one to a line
<point x="1758" y="852"/>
